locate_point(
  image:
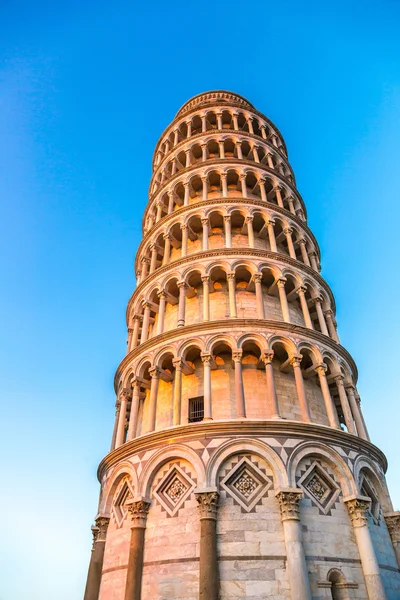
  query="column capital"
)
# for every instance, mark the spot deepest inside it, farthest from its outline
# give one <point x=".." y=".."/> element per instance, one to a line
<point x="289" y="499"/>
<point x="124" y="394"/>
<point x="184" y="226"/>
<point x="257" y="277"/>
<point x="302" y="241"/>
<point x="277" y="187"/>
<point x="295" y="360"/>
<point x="242" y="176"/>
<point x="99" y="530"/>
<point x="250" y="219"/>
<point x="393" y="524"/>
<point x="206" y="358"/>
<point x="205" y="278"/>
<point x="322" y="368"/>
<point x="224" y="175"/>
<point x="231" y="276"/>
<point x="186" y="183"/>
<point x="350" y="386"/>
<point x="339" y="378"/>
<point x="261" y="179"/>
<point x="288" y="230"/>
<point x="146" y="304"/>
<point x="145" y="260"/>
<point x="208" y="500"/>
<point x="155" y="372"/>
<point x="204" y="178"/>
<point x="317" y="300"/>
<point x="204" y="220"/>
<point x="181" y="284"/>
<point x="237" y="355"/>
<point x="167" y="235"/>
<point x="358" y="507"/>
<point x="178" y="364"/>
<point x="227" y="218"/>
<point x="162" y="294"/>
<point x="270" y="223"/>
<point x="267" y="356"/>
<point x="328" y="312"/>
<point x="301" y="290"/>
<point x="138" y="509"/>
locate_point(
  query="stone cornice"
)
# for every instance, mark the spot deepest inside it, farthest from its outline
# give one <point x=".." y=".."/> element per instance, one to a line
<point x="229" y="325"/>
<point x="242" y="428"/>
<point x="214" y="96"/>
<point x="226" y="201"/>
<point x="225" y="162"/>
<point x="197" y="257"/>
<point x="215" y="133"/>
<point x="178" y="120"/>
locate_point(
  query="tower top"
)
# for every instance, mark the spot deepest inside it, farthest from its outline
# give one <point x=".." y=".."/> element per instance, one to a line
<point x="212" y="97"/>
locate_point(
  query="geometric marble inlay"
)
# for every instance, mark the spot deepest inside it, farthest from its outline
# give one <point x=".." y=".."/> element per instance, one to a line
<point x="174" y="489"/>
<point x="119" y="509"/>
<point x="246" y="483"/>
<point x="319" y="487"/>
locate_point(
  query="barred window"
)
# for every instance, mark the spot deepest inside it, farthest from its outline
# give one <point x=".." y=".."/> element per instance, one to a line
<point x="196" y="409"/>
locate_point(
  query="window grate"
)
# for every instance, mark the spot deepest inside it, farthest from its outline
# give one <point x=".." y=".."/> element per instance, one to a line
<point x="196" y="409"/>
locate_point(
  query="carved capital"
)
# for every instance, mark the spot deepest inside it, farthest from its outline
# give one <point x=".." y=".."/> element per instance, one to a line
<point x="249" y="219"/>
<point x="257" y="277"/>
<point x="178" y="364"/>
<point x="208" y="504"/>
<point x="184" y="226"/>
<point x="289" y="503"/>
<point x="124" y="394"/>
<point x="138" y="511"/>
<point x="162" y="294"/>
<point x="101" y="529"/>
<point x="206" y="358"/>
<point x="154" y="372"/>
<point x="204" y="221"/>
<point x="267" y="357"/>
<point x="288" y="231"/>
<point x="166" y="236"/>
<point x="358" y="507"/>
<point x="181" y="284"/>
<point x="205" y="279"/>
<point x="227" y="218"/>
<point x="322" y="368"/>
<point x="237" y="355"/>
<point x="393" y="525"/>
<point x="295" y="360"/>
<point x="301" y="290"/>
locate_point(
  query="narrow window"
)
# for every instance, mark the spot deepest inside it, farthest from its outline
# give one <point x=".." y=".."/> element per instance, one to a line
<point x="196" y="409"/>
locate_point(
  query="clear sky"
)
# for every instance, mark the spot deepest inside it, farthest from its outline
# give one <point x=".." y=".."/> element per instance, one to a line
<point x="86" y="89"/>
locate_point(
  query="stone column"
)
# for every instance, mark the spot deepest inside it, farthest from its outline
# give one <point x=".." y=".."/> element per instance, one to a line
<point x="153" y="262"/>
<point x="176" y="417"/>
<point x="250" y="231"/>
<point x="263" y="132"/>
<point x="329" y="405"/>
<point x="303" y="249"/>
<point x="255" y="153"/>
<point x="331" y="325"/>
<point x="124" y="397"/>
<point x="182" y="303"/>
<point x="271" y="236"/>
<point x="186" y="199"/>
<point x="239" y="389"/>
<point x="167" y="248"/>
<point x="320" y="315"/>
<point x="155" y="378"/>
<point x="138" y="510"/>
<point x="277" y="191"/>
<point x="393" y="524"/>
<point x="161" y="312"/>
<point x="203" y="123"/>
<point x="206" y="358"/>
<point x="189" y="128"/>
<point x="228" y="234"/>
<point x="348" y="417"/>
<point x="356" y="411"/>
<point x="239" y="150"/>
<point x="221" y="149"/>
<point x="171" y="202"/>
<point x="205" y="187"/>
<point x="244" y="186"/>
<point x="301" y="392"/>
<point x="204" y="223"/>
<point x="250" y="124"/>
<point x="261" y="184"/>
<point x="219" y="120"/>
<point x="357" y="507"/>
<point x="232" y="294"/>
<point x="235" y="120"/>
<point x="257" y="277"/>
<point x="93" y="581"/>
<point x="135" y="332"/>
<point x="358" y="400"/>
<point x="184" y="247"/>
<point x="296" y="561"/>
<point x="145" y="268"/>
<point x="159" y="211"/>
<point x="129" y="340"/>
<point x="206" y="297"/>
<point x="272" y="400"/>
<point x="270" y="161"/>
<point x="209" y="580"/>
<point x="133" y="419"/>
<point x="283" y="299"/>
<point x="224" y="185"/>
<point x="116" y="421"/>
<point x="292" y="209"/>
<point x="304" y="307"/>
<point x="288" y="233"/>
<point x="146" y="322"/>
<point x="313" y="260"/>
<point x="204" y="152"/>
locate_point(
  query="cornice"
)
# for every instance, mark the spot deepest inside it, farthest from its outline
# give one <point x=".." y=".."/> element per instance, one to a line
<point x="215" y="96"/>
<point x="251" y="325"/>
<point x="241" y="428"/>
<point x="226" y="162"/>
<point x="211" y="133"/>
<point x="243" y="253"/>
<point x="173" y="124"/>
<point x="225" y="201"/>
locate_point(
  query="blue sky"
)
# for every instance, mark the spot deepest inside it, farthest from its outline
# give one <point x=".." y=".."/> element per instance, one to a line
<point x="85" y="91"/>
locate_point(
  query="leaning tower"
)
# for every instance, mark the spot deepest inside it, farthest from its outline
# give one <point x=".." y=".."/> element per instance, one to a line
<point x="240" y="465"/>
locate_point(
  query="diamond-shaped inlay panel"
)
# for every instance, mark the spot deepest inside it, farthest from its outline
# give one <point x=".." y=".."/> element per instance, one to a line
<point x="246" y="483"/>
<point x="319" y="487"/>
<point x="119" y="510"/>
<point x="174" y="489"/>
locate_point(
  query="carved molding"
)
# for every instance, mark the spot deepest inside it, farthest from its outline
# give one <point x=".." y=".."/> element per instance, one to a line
<point x="358" y="510"/>
<point x="393" y="525"/>
<point x="138" y="511"/>
<point x="289" y="503"/>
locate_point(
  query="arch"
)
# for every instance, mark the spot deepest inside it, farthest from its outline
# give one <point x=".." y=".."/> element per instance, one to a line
<point x="258" y="339"/>
<point x="362" y="463"/>
<point x="188" y="344"/>
<point x="335" y="461"/>
<point x="124" y="469"/>
<point x="221" y="339"/>
<point x="163" y="456"/>
<point x="246" y="445"/>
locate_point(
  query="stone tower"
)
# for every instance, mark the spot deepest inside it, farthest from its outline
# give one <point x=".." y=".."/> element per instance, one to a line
<point x="240" y="464"/>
